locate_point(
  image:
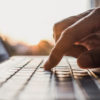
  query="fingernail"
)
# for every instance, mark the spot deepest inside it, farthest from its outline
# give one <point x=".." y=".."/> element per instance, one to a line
<point x="85" y="61"/>
<point x="46" y="66"/>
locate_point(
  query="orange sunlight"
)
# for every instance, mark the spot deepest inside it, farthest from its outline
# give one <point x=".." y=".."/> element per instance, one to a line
<point x="32" y="20"/>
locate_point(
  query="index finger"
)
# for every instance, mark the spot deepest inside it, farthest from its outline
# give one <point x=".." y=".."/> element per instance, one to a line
<point x="57" y="52"/>
<point x="72" y="34"/>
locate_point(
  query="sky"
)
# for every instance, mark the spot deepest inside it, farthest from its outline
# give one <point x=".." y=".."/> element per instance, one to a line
<point x="33" y="20"/>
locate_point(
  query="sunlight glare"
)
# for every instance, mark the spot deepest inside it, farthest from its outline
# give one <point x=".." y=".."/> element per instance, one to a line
<point x="32" y="20"/>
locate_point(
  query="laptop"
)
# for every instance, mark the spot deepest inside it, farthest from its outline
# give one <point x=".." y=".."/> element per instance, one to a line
<point x="3" y="51"/>
<point x="24" y="78"/>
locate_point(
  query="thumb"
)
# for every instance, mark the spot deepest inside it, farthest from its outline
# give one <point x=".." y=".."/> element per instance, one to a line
<point x="90" y="59"/>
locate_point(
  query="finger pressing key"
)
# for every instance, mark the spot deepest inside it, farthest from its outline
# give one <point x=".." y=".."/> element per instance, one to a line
<point x="57" y="52"/>
<point x="72" y="34"/>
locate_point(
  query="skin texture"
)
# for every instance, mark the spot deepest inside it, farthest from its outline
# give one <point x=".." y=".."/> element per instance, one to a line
<point x="79" y="33"/>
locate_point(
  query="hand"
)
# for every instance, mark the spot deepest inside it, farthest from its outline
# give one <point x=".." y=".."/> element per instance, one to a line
<point x="64" y="24"/>
<point x="74" y="32"/>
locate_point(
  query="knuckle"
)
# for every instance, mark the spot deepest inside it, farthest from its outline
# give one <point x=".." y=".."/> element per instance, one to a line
<point x="97" y="11"/>
<point x="55" y="27"/>
<point x="56" y="31"/>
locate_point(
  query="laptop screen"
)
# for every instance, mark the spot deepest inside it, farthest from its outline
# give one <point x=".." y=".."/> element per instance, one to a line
<point x="3" y="52"/>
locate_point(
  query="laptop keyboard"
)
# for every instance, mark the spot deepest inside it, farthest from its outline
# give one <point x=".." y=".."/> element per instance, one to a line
<point x="23" y="78"/>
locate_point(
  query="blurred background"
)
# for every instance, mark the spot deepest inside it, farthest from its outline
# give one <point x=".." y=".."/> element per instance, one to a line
<point x="26" y="25"/>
